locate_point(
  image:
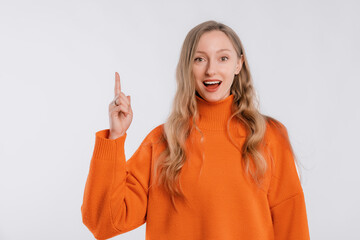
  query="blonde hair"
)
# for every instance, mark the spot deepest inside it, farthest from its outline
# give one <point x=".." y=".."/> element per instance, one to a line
<point x="177" y="128"/>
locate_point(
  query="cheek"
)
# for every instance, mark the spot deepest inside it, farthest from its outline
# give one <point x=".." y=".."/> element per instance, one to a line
<point x="197" y="77"/>
<point x="197" y="72"/>
<point x="229" y="72"/>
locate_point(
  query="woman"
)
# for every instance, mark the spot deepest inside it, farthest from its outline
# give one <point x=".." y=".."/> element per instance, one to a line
<point x="216" y="169"/>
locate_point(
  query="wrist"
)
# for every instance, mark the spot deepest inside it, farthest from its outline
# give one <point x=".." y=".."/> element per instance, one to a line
<point x="115" y="135"/>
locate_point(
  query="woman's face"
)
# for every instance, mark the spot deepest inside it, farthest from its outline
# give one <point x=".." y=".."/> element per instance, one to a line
<point x="215" y="61"/>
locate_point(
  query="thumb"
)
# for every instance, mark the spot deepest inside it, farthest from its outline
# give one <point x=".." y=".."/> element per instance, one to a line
<point x="128" y="97"/>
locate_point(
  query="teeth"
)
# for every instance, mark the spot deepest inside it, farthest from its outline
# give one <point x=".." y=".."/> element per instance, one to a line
<point x="216" y="82"/>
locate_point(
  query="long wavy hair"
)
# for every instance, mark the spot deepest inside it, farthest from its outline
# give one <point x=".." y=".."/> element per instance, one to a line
<point x="177" y="128"/>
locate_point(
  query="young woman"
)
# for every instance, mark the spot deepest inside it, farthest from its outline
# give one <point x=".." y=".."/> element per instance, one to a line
<point x="216" y="169"/>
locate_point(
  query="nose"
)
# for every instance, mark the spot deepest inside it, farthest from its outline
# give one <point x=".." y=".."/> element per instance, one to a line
<point x="211" y="68"/>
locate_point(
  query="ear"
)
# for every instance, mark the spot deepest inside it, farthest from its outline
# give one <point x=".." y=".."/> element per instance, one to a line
<point x="239" y="64"/>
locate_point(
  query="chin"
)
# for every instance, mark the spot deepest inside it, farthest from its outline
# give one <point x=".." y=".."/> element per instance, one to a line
<point x="213" y="98"/>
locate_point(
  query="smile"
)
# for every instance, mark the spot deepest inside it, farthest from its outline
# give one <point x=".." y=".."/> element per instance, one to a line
<point x="212" y="85"/>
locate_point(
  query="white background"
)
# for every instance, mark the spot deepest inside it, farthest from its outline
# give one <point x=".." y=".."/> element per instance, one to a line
<point x="57" y="65"/>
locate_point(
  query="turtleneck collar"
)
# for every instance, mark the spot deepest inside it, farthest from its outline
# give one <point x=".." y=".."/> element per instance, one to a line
<point x="214" y="115"/>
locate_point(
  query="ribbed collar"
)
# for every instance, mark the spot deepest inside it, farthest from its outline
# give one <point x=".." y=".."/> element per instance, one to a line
<point x="214" y="115"/>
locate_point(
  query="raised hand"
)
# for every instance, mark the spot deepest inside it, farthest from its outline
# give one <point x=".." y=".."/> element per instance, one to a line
<point x="120" y="112"/>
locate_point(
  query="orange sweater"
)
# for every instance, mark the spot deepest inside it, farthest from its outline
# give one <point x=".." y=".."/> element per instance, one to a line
<point x="223" y="203"/>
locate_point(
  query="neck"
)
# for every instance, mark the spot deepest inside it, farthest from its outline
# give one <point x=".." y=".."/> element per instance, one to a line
<point x="214" y="115"/>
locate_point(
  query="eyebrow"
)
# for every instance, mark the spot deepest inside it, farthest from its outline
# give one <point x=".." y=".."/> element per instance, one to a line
<point x="221" y="50"/>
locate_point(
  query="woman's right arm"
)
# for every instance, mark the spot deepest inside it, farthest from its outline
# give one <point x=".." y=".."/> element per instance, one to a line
<point x="115" y="196"/>
<point x="116" y="191"/>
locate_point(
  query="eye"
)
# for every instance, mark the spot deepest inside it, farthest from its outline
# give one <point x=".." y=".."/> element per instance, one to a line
<point x="199" y="59"/>
<point x="224" y="58"/>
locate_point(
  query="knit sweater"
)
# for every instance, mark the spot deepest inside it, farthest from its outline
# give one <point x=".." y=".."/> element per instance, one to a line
<point x="222" y="200"/>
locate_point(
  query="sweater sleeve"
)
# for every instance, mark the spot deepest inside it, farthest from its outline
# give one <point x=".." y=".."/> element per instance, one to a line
<point x="116" y="190"/>
<point x="285" y="195"/>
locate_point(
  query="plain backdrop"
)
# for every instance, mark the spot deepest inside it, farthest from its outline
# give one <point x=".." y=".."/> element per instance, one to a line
<point x="57" y="66"/>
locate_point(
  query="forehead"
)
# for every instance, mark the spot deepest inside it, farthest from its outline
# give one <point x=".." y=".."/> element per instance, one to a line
<point x="213" y="41"/>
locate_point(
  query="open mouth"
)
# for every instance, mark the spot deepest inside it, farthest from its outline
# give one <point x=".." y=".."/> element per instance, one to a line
<point x="212" y="84"/>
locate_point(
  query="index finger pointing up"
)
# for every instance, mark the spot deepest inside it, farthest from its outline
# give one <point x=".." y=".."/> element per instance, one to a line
<point x="117" y="84"/>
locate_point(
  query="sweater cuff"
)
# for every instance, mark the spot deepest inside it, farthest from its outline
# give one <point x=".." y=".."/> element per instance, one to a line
<point x="105" y="148"/>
